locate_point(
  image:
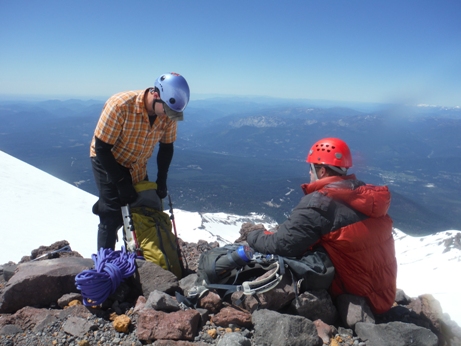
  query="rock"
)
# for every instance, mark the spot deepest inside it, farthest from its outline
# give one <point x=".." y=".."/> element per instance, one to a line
<point x="451" y="330"/>
<point x="324" y="331"/>
<point x="395" y="334"/>
<point x="187" y="283"/>
<point x="204" y="316"/>
<point x="10" y="329"/>
<point x="66" y="299"/>
<point x="353" y="309"/>
<point x="316" y="305"/>
<point x="161" y="301"/>
<point x="8" y="270"/>
<point x="33" y="318"/>
<point x="403" y="314"/>
<point x="427" y="312"/>
<point x="210" y="301"/>
<point x="153" y="277"/>
<point x="177" y="343"/>
<point x="48" y="319"/>
<point x="140" y="304"/>
<point x="77" y="326"/>
<point x="179" y="325"/>
<point x="401" y="298"/>
<point x="42" y="283"/>
<point x="230" y="315"/>
<point x="192" y="252"/>
<point x="273" y="328"/>
<point x="79" y="311"/>
<point x="59" y="249"/>
<point x="73" y="303"/>
<point x="213" y="333"/>
<point x="122" y="323"/>
<point x="234" y="339"/>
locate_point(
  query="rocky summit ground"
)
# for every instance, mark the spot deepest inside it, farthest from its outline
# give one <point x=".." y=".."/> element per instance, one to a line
<point x="39" y="305"/>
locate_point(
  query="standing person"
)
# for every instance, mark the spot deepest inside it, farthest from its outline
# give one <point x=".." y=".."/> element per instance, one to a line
<point x="130" y="125"/>
<point x="348" y="220"/>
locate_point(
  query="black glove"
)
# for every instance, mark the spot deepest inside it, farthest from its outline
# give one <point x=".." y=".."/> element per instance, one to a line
<point x="162" y="190"/>
<point x="126" y="191"/>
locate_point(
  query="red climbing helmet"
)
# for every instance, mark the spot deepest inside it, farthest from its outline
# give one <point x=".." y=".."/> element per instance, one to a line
<point x="331" y="152"/>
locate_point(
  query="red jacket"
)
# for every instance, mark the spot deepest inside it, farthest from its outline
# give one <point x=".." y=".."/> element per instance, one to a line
<point x="349" y="219"/>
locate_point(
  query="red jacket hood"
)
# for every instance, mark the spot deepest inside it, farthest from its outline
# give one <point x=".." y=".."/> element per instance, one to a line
<point x="371" y="200"/>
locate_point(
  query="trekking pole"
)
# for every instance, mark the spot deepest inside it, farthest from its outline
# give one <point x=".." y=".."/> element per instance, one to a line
<point x="176" y="235"/>
<point x="129" y="233"/>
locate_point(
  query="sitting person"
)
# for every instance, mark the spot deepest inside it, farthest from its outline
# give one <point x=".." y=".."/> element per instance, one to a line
<point x="345" y="217"/>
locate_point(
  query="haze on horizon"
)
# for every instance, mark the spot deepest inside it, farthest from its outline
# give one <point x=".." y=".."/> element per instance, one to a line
<point x="375" y="52"/>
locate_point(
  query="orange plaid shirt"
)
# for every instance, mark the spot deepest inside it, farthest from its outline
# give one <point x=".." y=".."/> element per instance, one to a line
<point x="124" y="123"/>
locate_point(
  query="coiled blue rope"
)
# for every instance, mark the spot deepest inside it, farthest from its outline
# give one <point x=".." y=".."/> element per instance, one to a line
<point x="110" y="268"/>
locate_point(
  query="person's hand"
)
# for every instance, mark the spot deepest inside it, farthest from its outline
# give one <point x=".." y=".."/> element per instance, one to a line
<point x="246" y="229"/>
<point x="126" y="192"/>
<point x="162" y="190"/>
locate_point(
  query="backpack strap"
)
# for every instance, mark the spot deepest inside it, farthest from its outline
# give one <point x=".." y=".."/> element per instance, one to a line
<point x="228" y="287"/>
<point x="266" y="282"/>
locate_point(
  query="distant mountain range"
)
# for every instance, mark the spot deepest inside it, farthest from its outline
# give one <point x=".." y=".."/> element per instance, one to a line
<point x="241" y="155"/>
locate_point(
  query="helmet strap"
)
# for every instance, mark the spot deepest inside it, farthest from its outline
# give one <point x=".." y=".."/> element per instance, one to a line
<point x="157" y="101"/>
<point x="314" y="172"/>
<point x="340" y="170"/>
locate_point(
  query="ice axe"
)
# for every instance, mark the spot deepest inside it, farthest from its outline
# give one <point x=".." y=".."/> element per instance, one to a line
<point x="176" y="235"/>
<point x="50" y="254"/>
<point x="129" y="233"/>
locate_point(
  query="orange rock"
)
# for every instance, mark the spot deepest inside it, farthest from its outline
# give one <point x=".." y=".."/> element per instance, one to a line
<point x="75" y="302"/>
<point x="122" y="323"/>
<point x="333" y="342"/>
<point x="213" y="333"/>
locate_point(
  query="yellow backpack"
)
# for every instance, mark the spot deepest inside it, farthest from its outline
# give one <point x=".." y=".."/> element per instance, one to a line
<point x="154" y="229"/>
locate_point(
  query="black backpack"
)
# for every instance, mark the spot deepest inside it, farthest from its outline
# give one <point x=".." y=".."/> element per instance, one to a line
<point x="217" y="270"/>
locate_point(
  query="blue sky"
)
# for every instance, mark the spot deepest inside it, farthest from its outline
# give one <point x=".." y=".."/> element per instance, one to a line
<point x="357" y="51"/>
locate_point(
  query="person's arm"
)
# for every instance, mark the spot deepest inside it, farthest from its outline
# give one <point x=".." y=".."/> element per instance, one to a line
<point x="107" y="132"/>
<point x="164" y="157"/>
<point x="124" y="184"/>
<point x="107" y="160"/>
<point x="298" y="233"/>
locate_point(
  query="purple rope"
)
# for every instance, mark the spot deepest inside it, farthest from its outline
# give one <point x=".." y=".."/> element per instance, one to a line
<point x="110" y="269"/>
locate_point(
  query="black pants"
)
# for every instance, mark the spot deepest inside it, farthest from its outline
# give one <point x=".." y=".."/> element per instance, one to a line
<point x="109" y="206"/>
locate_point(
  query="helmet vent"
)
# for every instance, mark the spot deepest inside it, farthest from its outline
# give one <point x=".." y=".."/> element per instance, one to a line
<point x="327" y="147"/>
